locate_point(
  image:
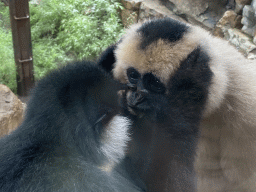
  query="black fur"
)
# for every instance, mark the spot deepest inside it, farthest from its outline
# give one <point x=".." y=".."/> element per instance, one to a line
<point x="185" y="95"/>
<point x="166" y="29"/>
<point x="190" y="84"/>
<point x="166" y="119"/>
<point x="165" y="138"/>
<point x="57" y="147"/>
<point x="107" y="58"/>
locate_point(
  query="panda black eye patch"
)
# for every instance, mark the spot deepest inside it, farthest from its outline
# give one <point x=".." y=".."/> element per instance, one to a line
<point x="133" y="75"/>
<point x="152" y="83"/>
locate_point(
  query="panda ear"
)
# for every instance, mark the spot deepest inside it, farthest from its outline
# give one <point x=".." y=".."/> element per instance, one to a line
<point x="107" y="58"/>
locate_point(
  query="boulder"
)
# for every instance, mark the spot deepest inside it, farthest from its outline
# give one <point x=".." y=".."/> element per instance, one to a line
<point x="11" y="110"/>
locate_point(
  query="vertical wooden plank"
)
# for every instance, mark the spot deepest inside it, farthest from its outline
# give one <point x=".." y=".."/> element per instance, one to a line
<point x="20" y="22"/>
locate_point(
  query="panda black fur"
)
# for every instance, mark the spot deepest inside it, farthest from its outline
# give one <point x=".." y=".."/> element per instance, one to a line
<point x="196" y="69"/>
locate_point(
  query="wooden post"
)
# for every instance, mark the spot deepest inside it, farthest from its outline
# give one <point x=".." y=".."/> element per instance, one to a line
<point x="20" y="22"/>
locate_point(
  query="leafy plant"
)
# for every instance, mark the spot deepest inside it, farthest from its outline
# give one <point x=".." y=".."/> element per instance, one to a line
<point x="4" y="17"/>
<point x="61" y="31"/>
<point x="47" y="56"/>
<point x="7" y="65"/>
<point x="82" y="28"/>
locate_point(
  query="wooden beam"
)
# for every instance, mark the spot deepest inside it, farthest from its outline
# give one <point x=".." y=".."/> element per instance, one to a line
<point x="20" y="22"/>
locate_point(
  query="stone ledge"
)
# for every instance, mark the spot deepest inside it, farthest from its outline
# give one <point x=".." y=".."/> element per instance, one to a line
<point x="11" y="110"/>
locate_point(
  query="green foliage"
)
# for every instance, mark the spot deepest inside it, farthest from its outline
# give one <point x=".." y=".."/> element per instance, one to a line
<point x="4" y="17"/>
<point x="47" y="56"/>
<point x="82" y="28"/>
<point x="7" y="65"/>
<point x="61" y="31"/>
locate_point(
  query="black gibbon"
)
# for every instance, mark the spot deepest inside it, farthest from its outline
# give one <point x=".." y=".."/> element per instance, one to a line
<point x="73" y="136"/>
<point x="190" y="70"/>
<point x="165" y="133"/>
<point x="167" y="110"/>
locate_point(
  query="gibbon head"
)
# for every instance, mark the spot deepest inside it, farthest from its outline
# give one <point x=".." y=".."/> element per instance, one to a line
<point x="161" y="61"/>
<point x="164" y="59"/>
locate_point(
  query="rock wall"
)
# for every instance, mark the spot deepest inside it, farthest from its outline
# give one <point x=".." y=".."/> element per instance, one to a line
<point x="234" y="20"/>
<point x="11" y="110"/>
